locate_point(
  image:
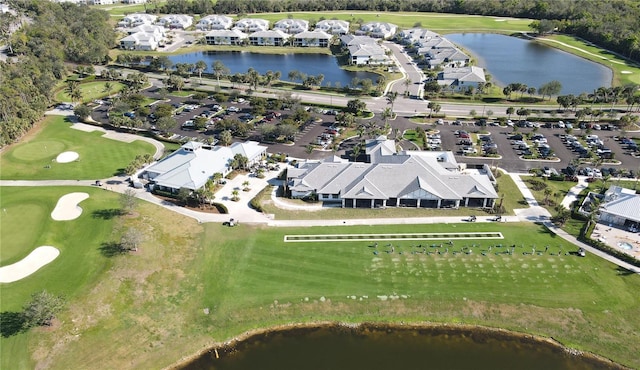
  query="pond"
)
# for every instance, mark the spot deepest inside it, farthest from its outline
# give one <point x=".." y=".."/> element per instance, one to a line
<point x="512" y="59"/>
<point x="309" y="64"/>
<point x="383" y="347"/>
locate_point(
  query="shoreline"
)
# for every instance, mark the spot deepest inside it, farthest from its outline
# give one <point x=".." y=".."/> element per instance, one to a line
<point x="221" y="349"/>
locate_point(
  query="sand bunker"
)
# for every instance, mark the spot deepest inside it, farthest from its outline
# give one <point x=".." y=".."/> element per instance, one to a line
<point x="67" y="207"/>
<point x="626" y="72"/>
<point x="66" y="157"/>
<point x="38" y="258"/>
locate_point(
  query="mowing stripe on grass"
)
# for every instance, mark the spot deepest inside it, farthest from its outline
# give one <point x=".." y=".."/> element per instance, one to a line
<point x="383" y="237"/>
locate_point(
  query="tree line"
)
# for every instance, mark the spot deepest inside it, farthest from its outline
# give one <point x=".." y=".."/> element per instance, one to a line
<point x="613" y="24"/>
<point x="55" y="34"/>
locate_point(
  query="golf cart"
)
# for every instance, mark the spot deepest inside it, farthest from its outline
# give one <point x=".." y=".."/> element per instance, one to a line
<point x="471" y="218"/>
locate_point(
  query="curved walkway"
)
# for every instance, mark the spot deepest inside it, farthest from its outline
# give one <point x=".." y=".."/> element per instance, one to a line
<point x="572" y="194"/>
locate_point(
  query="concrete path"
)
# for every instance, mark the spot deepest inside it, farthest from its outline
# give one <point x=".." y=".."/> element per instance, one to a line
<point x="572" y="194"/>
<point x="535" y="212"/>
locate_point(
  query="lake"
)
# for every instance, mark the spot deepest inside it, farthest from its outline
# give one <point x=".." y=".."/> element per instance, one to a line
<point x="384" y="347"/>
<point x="511" y="59"/>
<point x="309" y="64"/>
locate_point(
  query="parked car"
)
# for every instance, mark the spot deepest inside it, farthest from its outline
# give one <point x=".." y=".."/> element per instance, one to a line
<point x="233" y="109"/>
<point x="469" y="150"/>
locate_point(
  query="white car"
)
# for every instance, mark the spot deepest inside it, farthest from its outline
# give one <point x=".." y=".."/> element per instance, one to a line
<point x="233" y="109"/>
<point x="469" y="150"/>
<point x="560" y="124"/>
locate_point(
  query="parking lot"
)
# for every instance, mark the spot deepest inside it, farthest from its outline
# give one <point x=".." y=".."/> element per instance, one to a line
<point x="499" y="137"/>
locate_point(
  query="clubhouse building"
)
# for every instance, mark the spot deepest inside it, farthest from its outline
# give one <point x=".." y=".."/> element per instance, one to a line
<point x="195" y="163"/>
<point x="422" y="179"/>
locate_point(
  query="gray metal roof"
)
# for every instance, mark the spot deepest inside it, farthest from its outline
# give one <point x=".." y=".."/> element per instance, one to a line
<point x="392" y="176"/>
<point x="625" y="205"/>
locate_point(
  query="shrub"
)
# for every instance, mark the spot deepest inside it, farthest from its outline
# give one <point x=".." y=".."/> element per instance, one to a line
<point x="256" y="202"/>
<point x="537" y="185"/>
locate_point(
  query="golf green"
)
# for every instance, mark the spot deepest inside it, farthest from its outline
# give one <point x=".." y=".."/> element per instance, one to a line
<point x="34" y="158"/>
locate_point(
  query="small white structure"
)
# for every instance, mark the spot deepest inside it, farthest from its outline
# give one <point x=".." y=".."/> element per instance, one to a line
<point x="292" y="26"/>
<point x="333" y="26"/>
<point x="134" y="1"/>
<point x="137" y="19"/>
<point x="379" y="30"/>
<point x="312" y="38"/>
<point x="214" y="22"/>
<point x="461" y="78"/>
<point x="226" y="37"/>
<point x="250" y="25"/>
<point x="176" y="21"/>
<point x="269" y="38"/>
<point x="100" y="2"/>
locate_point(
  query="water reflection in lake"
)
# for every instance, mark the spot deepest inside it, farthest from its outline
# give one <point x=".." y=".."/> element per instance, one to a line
<point x="309" y="64"/>
<point x="385" y="348"/>
<point x="511" y="59"/>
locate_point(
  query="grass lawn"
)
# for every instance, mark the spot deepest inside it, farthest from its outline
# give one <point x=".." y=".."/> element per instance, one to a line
<point x="558" y="190"/>
<point x="412" y="136"/>
<point x="600" y="56"/>
<point x="438" y="22"/>
<point x="99" y="157"/>
<point x="249" y="278"/>
<point x="27" y="224"/>
<point x="90" y="91"/>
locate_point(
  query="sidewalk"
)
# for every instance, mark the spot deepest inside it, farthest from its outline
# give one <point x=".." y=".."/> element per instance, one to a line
<point x="573" y="193"/>
<point x="535" y="212"/>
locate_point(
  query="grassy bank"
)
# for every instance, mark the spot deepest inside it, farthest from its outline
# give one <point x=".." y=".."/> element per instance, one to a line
<point x="99" y="157"/>
<point x="90" y="91"/>
<point x="192" y="285"/>
<point x="591" y="52"/>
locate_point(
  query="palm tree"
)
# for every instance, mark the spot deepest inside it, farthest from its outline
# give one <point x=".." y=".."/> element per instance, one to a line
<point x="510" y="111"/>
<point x="391" y="98"/>
<point x="219" y="70"/>
<point x="386" y="114"/>
<point x="407" y="83"/>
<point x="235" y="195"/>
<point x="245" y="185"/>
<point x="200" y="67"/>
<point x="253" y="78"/>
<point x="217" y="177"/>
<point x="108" y="87"/>
<point x="225" y="137"/>
<point x="73" y="89"/>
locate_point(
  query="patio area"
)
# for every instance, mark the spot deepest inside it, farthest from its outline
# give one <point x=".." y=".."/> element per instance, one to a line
<point x="620" y="239"/>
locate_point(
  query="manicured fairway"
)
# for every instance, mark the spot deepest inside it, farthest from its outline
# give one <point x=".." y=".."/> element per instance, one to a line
<point x="99" y="157"/>
<point x="438" y="22"/>
<point x="191" y="285"/>
<point x="90" y="91"/>
<point x="26" y="223"/>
